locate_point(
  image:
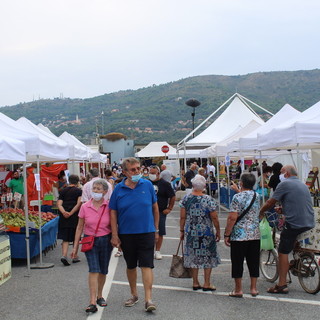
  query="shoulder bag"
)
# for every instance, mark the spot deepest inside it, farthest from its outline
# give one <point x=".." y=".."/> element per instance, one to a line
<point x="247" y="209"/>
<point x="88" y="242"/>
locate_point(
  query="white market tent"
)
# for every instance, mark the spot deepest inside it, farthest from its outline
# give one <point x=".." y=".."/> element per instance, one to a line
<point x="237" y="115"/>
<point x="302" y="131"/>
<point x="190" y="153"/>
<point x="153" y="149"/>
<point x="84" y="153"/>
<point x="220" y="149"/>
<point x="50" y="148"/>
<point x="11" y="150"/>
<point x="249" y="142"/>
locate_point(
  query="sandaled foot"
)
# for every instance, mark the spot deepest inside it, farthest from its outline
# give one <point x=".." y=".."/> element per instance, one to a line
<point x="233" y="294"/>
<point x="101" y="302"/>
<point x="75" y="260"/>
<point x="65" y="261"/>
<point x="195" y="288"/>
<point x="254" y="293"/>
<point x="211" y="288"/>
<point x="91" y="308"/>
<point x="150" y="306"/>
<point x="278" y="289"/>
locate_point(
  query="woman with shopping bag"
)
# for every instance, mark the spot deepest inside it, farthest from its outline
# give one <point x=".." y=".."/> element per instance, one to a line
<point x="197" y="217"/>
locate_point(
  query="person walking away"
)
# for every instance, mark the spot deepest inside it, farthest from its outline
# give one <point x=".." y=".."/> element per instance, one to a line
<point x="197" y="217"/>
<point x="297" y="209"/>
<point x="166" y="199"/>
<point x="87" y="188"/>
<point x="189" y="175"/>
<point x="94" y="212"/>
<point x="243" y="235"/>
<point x="69" y="204"/>
<point x="134" y="223"/>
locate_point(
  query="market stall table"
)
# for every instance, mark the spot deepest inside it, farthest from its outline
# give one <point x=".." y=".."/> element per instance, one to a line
<point x="18" y="244"/>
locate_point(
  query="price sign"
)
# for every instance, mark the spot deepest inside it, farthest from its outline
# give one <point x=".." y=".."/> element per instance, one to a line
<point x="227" y="160"/>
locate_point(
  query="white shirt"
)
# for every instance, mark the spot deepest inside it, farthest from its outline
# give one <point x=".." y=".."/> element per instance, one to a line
<point x="211" y="168"/>
<point x="87" y="189"/>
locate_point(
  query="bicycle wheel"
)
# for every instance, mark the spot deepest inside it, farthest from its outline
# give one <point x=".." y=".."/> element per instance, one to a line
<point x="269" y="264"/>
<point x="309" y="273"/>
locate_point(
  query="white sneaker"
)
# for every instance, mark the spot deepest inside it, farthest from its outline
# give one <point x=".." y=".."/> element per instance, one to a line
<point x="157" y="255"/>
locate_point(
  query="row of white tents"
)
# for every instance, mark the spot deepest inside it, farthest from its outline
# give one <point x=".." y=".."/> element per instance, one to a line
<point x="21" y="141"/>
<point x="240" y="132"/>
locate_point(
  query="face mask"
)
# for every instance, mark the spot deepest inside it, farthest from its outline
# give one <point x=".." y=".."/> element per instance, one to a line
<point x="282" y="177"/>
<point x="136" y="177"/>
<point x="145" y="172"/>
<point x="152" y="177"/>
<point x="96" y="196"/>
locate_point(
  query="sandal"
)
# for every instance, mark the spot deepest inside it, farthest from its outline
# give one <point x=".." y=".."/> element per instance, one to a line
<point x="254" y="294"/>
<point x="196" y="288"/>
<point x="101" y="302"/>
<point x="235" y="295"/>
<point x="278" y="289"/>
<point x="212" y="288"/>
<point x="92" y="308"/>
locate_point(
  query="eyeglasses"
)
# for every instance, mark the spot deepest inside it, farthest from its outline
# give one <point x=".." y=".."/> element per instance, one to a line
<point x="134" y="169"/>
<point x="155" y="167"/>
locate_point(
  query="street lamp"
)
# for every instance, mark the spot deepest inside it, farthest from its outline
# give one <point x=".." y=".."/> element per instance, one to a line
<point x="193" y="103"/>
<point x="102" y="122"/>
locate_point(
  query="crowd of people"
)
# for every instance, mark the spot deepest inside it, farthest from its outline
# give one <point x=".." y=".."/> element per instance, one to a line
<point x="127" y="209"/>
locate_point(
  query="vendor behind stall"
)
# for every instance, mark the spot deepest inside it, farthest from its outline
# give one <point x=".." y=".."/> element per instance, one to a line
<point x="16" y="186"/>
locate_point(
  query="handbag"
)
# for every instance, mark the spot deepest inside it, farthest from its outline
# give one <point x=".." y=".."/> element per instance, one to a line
<point x="177" y="269"/>
<point x="88" y="242"/>
<point x="266" y="242"/>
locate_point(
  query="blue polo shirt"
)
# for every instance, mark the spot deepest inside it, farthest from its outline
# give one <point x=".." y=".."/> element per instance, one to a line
<point x="134" y="207"/>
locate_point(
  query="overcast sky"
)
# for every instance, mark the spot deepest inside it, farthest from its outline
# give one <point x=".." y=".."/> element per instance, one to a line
<point x="86" y="48"/>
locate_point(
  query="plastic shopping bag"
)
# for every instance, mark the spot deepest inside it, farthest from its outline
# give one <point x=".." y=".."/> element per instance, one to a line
<point x="266" y="242"/>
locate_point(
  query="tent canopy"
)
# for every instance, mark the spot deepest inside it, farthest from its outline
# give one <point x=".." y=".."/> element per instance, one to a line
<point x="11" y="150"/>
<point x="153" y="149"/>
<point x="250" y="142"/>
<point x="301" y="131"/>
<point x="221" y="149"/>
<point x="235" y="117"/>
<point x="49" y="148"/>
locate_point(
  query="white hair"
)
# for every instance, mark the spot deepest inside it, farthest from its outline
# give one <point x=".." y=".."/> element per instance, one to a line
<point x="198" y="182"/>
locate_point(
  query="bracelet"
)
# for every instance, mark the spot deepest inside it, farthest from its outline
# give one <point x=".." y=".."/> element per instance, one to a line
<point x="227" y="236"/>
<point x="157" y="230"/>
<point x="181" y="230"/>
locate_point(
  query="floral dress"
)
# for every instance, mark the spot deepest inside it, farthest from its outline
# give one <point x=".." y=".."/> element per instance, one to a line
<point x="200" y="248"/>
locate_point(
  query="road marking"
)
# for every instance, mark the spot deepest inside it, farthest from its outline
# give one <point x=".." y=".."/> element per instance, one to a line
<point x="106" y="289"/>
<point x="226" y="294"/>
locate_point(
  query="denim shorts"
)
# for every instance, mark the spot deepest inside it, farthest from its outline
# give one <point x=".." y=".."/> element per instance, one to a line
<point x="98" y="257"/>
<point x="162" y="224"/>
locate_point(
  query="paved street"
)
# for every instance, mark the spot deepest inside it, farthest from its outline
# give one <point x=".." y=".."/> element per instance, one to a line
<point x="62" y="293"/>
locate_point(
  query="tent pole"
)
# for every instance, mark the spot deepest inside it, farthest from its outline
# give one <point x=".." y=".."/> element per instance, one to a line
<point x="41" y="265"/>
<point x="26" y="214"/>
<point x="218" y="183"/>
<point x="261" y="181"/>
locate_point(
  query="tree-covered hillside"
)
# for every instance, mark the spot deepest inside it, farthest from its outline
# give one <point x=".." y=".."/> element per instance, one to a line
<point x="159" y="112"/>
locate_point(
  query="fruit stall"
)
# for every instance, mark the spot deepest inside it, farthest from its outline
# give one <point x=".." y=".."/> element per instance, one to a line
<point x="14" y="221"/>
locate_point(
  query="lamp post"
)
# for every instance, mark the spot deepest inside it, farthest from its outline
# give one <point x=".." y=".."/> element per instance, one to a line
<point x="193" y="103"/>
<point x="102" y="122"/>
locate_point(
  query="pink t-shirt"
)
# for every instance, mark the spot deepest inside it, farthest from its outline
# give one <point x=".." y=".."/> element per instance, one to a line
<point x="91" y="218"/>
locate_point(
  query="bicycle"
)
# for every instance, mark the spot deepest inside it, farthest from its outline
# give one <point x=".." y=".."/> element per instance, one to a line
<point x="303" y="265"/>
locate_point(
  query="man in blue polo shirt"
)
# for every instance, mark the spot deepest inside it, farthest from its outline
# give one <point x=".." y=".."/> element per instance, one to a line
<point x="134" y="224"/>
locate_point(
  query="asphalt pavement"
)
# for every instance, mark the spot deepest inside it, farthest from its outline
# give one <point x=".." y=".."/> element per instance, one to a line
<point x="62" y="293"/>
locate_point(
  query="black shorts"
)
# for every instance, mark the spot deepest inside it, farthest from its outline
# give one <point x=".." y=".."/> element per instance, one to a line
<point x="288" y="237"/>
<point x="138" y="249"/>
<point x="162" y="224"/>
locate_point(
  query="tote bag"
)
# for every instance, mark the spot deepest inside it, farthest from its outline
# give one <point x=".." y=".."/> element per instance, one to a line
<point x="177" y="269"/>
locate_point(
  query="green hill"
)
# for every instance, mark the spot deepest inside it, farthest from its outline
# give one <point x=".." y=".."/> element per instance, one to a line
<point x="159" y="112"/>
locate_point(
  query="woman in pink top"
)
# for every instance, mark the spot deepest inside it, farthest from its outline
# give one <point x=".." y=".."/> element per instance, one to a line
<point x="98" y="258"/>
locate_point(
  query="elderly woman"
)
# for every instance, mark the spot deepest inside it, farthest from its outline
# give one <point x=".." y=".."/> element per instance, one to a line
<point x="93" y="211"/>
<point x="197" y="217"/>
<point x="242" y="234"/>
